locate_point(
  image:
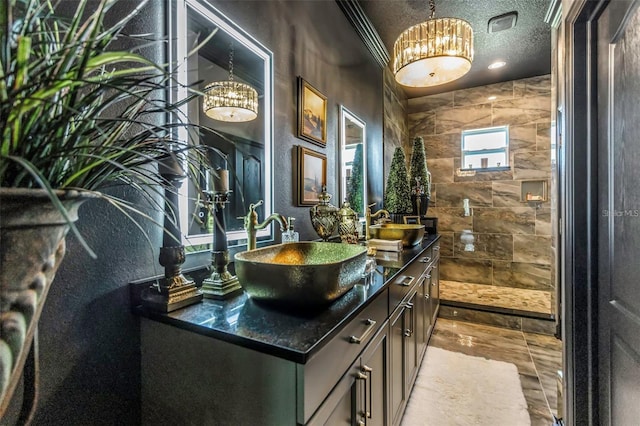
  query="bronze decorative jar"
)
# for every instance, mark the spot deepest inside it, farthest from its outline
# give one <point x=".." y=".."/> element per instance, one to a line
<point x="324" y="216"/>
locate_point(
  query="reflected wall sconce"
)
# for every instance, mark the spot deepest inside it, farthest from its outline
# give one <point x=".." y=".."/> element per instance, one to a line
<point x="433" y="52"/>
<point x="230" y="100"/>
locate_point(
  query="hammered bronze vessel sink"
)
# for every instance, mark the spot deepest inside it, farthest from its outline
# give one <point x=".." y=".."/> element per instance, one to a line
<point x="301" y="274"/>
<point x="410" y="234"/>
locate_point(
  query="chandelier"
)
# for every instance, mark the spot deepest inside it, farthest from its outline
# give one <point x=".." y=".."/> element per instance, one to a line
<point x="433" y="52"/>
<point x="230" y="100"/>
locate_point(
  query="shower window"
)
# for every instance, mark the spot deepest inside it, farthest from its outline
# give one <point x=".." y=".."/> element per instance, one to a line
<point x="485" y="148"/>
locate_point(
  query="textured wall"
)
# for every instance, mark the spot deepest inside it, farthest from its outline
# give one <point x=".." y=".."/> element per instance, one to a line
<point x="396" y="128"/>
<point x="90" y="346"/>
<point x="511" y="264"/>
<point x="313" y="39"/>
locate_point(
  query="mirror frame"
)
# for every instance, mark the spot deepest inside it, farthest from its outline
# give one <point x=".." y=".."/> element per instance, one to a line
<point x="345" y="115"/>
<point x="178" y="52"/>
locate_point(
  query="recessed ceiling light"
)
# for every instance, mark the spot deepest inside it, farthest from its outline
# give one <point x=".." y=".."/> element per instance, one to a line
<point x="496" y="65"/>
<point x="492" y="98"/>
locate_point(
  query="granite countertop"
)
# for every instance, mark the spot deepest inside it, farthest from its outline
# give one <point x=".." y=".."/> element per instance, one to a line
<point x="295" y="336"/>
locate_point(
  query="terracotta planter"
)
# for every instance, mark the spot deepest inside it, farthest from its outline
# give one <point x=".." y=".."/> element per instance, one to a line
<point x="32" y="245"/>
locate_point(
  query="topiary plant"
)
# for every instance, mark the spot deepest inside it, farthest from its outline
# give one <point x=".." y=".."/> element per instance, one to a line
<point x="418" y="168"/>
<point x="397" y="195"/>
<point x="355" y="190"/>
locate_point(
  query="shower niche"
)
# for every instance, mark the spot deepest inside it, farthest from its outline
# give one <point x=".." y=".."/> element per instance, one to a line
<point x="533" y="191"/>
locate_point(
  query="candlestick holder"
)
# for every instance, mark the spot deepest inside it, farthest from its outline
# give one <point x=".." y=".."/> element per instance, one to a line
<point x="174" y="291"/>
<point x="220" y="284"/>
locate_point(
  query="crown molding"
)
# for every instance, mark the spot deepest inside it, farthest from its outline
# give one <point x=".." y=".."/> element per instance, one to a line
<point x="554" y="13"/>
<point x="365" y="29"/>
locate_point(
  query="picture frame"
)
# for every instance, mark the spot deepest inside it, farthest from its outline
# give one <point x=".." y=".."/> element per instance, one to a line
<point x="411" y="220"/>
<point x="312" y="114"/>
<point x="311" y="176"/>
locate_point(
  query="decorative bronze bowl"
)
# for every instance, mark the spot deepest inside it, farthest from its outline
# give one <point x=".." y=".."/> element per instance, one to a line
<point x="410" y="234"/>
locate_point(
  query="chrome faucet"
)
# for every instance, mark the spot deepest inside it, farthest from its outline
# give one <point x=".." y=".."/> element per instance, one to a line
<point x="369" y="216"/>
<point x="251" y="224"/>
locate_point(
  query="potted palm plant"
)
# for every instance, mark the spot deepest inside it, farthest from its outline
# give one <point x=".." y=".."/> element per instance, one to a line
<point x="76" y="116"/>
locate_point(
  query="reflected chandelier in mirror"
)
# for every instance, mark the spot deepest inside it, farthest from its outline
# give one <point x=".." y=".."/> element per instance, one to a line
<point x="353" y="163"/>
<point x="223" y="52"/>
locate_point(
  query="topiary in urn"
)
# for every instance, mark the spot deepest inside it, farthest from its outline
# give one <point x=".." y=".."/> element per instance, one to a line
<point x="420" y="178"/>
<point x="397" y="194"/>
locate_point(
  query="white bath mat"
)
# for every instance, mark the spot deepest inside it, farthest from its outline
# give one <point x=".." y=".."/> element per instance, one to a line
<point x="461" y="390"/>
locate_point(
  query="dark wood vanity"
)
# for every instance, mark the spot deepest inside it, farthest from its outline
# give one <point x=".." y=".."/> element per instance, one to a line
<point x="237" y="362"/>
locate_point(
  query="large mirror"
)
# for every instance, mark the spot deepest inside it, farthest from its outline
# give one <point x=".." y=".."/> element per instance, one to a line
<point x="225" y="55"/>
<point x="353" y="164"/>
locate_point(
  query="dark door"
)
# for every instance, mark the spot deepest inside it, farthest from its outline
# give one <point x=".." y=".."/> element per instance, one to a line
<point x="618" y="80"/>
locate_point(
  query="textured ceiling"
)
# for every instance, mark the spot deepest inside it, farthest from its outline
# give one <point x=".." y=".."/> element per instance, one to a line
<point x="526" y="48"/>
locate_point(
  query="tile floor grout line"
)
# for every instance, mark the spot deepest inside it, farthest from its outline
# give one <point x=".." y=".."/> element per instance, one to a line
<point x="535" y="367"/>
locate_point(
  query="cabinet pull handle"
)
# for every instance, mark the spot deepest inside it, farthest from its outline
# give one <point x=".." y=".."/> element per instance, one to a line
<point x="425" y="259"/>
<point x="428" y="276"/>
<point x="412" y="316"/>
<point x="406" y="281"/>
<point x="436" y="248"/>
<point x="368" y="370"/>
<point x="370" y="323"/>
<point x="435" y="267"/>
<point x="426" y="296"/>
<point x="362" y="376"/>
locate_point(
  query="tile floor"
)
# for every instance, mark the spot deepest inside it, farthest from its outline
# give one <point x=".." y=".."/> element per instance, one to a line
<point x="538" y="357"/>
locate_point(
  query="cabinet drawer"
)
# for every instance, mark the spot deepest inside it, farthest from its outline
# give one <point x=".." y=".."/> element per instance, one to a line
<point x="323" y="371"/>
<point x="405" y="280"/>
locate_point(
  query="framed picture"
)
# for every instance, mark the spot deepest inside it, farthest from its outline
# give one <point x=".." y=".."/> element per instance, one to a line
<point x="312" y="176"/>
<point x="312" y="114"/>
<point x="411" y="220"/>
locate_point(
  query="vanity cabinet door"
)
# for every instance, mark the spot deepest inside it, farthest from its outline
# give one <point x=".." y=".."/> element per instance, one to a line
<point x="375" y="363"/>
<point x="403" y="355"/>
<point x="341" y="405"/>
<point x="411" y="342"/>
<point x="434" y="291"/>
<point x="360" y="397"/>
<point x="396" y="362"/>
<point x="423" y="313"/>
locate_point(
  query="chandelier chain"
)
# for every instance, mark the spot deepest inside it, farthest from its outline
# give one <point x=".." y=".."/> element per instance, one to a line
<point x="231" y="61"/>
<point x="432" y="8"/>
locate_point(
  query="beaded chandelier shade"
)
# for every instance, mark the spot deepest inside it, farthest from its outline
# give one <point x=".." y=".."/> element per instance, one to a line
<point x="230" y="100"/>
<point x="433" y="52"/>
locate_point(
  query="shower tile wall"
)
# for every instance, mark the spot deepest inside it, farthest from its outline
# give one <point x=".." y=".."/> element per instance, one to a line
<point x="513" y="242"/>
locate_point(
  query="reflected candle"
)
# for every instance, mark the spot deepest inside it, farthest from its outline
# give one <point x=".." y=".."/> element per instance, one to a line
<point x="221" y="181"/>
